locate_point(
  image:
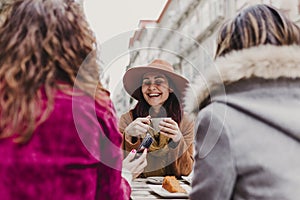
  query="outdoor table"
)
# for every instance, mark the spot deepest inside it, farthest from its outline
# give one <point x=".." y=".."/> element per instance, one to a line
<point x="141" y="191"/>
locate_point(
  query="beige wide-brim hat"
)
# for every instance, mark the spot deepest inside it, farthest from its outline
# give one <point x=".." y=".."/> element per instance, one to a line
<point x="132" y="79"/>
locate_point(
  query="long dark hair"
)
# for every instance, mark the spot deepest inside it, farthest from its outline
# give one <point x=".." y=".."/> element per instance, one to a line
<point x="171" y="108"/>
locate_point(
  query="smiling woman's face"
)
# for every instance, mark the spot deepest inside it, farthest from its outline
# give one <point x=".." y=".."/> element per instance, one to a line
<point x="155" y="88"/>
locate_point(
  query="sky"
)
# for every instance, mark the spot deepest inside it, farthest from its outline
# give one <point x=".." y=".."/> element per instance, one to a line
<point x="113" y="22"/>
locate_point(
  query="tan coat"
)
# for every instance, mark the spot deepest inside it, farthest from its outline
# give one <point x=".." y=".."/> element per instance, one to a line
<point x="170" y="160"/>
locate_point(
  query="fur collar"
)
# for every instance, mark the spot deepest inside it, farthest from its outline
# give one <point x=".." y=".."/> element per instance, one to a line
<point x="266" y="61"/>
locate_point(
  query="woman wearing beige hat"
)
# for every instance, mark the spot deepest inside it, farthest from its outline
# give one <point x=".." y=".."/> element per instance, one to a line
<point x="159" y="91"/>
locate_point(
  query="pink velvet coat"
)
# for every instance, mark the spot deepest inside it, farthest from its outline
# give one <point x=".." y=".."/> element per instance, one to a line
<point x="74" y="154"/>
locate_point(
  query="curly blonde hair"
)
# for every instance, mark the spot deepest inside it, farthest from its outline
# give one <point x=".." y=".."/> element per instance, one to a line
<point x="43" y="43"/>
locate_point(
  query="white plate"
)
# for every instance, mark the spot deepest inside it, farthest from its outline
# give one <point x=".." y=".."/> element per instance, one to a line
<point x="155" y="180"/>
<point x="187" y="179"/>
<point x="164" y="193"/>
<point x="158" y="180"/>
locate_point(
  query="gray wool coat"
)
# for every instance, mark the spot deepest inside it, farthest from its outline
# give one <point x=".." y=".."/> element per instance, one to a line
<point x="248" y="126"/>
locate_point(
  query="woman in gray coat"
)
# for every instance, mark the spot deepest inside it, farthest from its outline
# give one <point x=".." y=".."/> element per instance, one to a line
<point x="248" y="111"/>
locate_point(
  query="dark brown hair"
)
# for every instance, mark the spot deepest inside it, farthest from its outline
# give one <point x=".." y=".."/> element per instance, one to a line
<point x="257" y="25"/>
<point x="43" y="44"/>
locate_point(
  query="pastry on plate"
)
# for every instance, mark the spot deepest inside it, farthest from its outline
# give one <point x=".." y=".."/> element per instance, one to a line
<point x="171" y="184"/>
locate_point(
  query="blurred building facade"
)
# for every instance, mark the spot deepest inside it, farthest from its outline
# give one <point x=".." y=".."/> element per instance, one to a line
<point x="185" y="35"/>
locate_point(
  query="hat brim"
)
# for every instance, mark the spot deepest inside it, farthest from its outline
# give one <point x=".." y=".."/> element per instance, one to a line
<point x="132" y="80"/>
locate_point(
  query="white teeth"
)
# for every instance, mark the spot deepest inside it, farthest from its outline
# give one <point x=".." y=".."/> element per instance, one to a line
<point x="153" y="95"/>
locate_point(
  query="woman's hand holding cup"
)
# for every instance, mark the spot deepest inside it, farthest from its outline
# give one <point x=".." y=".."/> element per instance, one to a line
<point x="170" y="128"/>
<point x="138" y="127"/>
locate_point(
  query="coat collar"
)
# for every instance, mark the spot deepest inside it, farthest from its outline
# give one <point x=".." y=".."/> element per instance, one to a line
<point x="265" y="61"/>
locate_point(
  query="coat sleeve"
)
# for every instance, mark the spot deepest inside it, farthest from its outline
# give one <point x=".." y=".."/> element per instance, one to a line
<point x="110" y="181"/>
<point x="214" y="169"/>
<point x="183" y="165"/>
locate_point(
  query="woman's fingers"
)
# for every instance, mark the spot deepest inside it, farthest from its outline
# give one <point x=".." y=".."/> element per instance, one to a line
<point x="169" y="128"/>
<point x="131" y="155"/>
<point x="144" y="155"/>
<point x="142" y="161"/>
<point x="175" y="138"/>
<point x="141" y="164"/>
<point x="140" y="130"/>
<point x="140" y="168"/>
<point x="169" y="121"/>
<point x="138" y="127"/>
<point x="141" y="126"/>
<point x="144" y="120"/>
<point x="167" y="134"/>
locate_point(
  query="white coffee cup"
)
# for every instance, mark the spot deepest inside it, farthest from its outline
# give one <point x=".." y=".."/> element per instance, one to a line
<point x="155" y="122"/>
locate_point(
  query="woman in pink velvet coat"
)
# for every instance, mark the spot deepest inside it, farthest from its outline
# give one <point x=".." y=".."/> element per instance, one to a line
<point x="58" y="132"/>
